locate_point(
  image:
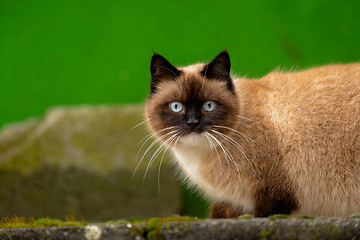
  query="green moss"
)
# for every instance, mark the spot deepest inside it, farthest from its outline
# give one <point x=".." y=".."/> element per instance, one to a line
<point x="47" y="222"/>
<point x="14" y="222"/>
<point x="265" y="233"/>
<point x="22" y="222"/>
<point x="245" y="216"/>
<point x="154" y="225"/>
<point x="334" y="231"/>
<point x="117" y="222"/>
<point x="138" y="230"/>
<point x="74" y="224"/>
<point x="153" y="228"/>
<point x="278" y="216"/>
<point x="355" y="215"/>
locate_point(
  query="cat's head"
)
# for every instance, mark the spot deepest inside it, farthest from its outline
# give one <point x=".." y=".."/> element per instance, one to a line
<point x="191" y="102"/>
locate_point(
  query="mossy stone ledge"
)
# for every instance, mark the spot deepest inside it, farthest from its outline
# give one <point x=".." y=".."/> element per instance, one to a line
<point x="210" y="229"/>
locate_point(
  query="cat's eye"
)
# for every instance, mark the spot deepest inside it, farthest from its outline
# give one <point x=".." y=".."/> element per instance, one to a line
<point x="176" y="106"/>
<point x="209" y="105"/>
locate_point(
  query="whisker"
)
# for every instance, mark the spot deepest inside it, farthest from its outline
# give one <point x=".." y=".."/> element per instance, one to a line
<point x="156" y="132"/>
<point x="212" y="146"/>
<point x="220" y="145"/>
<point x="162" y="158"/>
<point x="236" y="131"/>
<point x="217" y="152"/>
<point x="149" y="136"/>
<point x="169" y="70"/>
<point x="156" y="154"/>
<point x="143" y="141"/>
<point x="242" y="150"/>
<point x="156" y="141"/>
<point x="230" y="139"/>
<point x="137" y="166"/>
<point x="139" y="124"/>
<point x="152" y="134"/>
<point x="178" y="138"/>
<point x="148" y="149"/>
<point x="239" y="116"/>
<point x="228" y="155"/>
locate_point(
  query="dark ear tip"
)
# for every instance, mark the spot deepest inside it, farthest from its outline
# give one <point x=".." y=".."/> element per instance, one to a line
<point x="156" y="55"/>
<point x="156" y="59"/>
<point x="223" y="57"/>
<point x="224" y="53"/>
<point x="161" y="67"/>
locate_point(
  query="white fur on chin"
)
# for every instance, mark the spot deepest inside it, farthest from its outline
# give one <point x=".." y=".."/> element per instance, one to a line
<point x="189" y="152"/>
<point x="194" y="140"/>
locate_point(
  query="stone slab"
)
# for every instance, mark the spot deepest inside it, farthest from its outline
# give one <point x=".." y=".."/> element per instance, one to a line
<point x="214" y="229"/>
<point x="80" y="161"/>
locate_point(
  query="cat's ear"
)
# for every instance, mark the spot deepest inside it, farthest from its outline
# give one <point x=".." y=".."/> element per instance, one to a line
<point x="219" y="68"/>
<point x="161" y="70"/>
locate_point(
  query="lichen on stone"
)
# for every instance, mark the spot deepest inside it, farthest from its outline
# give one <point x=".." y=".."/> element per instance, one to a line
<point x="92" y="232"/>
<point x="22" y="222"/>
<point x="154" y="225"/>
<point x="278" y="216"/>
<point x="245" y="216"/>
<point x="265" y="233"/>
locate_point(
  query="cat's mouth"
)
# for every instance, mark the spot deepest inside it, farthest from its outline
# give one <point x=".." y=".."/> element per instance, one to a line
<point x="193" y="138"/>
<point x="195" y="131"/>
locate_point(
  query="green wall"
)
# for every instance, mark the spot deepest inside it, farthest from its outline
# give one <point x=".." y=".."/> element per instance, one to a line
<point x="93" y="52"/>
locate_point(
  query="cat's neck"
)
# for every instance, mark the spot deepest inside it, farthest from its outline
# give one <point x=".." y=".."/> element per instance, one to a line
<point x="192" y="149"/>
<point x="191" y="152"/>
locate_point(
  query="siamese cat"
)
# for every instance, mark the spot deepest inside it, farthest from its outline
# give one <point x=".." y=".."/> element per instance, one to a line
<point x="287" y="143"/>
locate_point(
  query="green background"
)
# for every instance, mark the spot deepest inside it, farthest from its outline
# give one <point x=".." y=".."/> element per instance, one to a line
<point x="98" y="52"/>
<point x="93" y="52"/>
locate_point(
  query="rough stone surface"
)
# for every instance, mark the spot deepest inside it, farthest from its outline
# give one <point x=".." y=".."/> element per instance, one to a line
<point x="70" y="233"/>
<point x="80" y="161"/>
<point x="228" y="229"/>
<point x="327" y="228"/>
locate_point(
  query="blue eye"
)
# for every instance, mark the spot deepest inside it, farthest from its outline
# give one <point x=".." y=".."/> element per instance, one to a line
<point x="209" y="105"/>
<point x="176" y="106"/>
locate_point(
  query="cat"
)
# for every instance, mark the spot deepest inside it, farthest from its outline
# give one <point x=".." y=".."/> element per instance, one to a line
<point x="287" y="143"/>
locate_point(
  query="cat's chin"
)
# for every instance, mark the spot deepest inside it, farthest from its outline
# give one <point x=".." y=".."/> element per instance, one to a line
<point x="193" y="140"/>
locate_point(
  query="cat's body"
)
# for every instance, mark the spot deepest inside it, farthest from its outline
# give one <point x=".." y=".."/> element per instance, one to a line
<point x="285" y="143"/>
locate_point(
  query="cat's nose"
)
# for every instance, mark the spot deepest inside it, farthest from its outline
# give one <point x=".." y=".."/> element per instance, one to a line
<point x="193" y="122"/>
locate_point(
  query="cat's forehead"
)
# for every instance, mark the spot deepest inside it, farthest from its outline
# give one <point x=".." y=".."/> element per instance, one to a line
<point x="192" y="85"/>
<point x="191" y="69"/>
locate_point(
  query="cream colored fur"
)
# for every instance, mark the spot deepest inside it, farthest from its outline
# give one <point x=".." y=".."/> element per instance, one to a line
<point x="316" y="118"/>
<point x="300" y="130"/>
